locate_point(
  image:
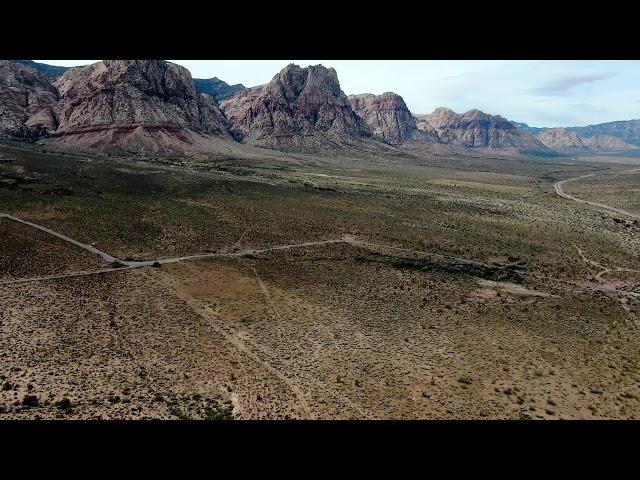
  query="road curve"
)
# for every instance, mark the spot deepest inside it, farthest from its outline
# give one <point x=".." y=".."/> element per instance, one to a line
<point x="558" y="189"/>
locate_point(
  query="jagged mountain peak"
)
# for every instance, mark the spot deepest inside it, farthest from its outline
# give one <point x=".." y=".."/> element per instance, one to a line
<point x="300" y="109"/>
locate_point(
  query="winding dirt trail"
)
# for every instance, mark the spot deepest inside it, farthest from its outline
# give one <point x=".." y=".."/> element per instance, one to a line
<point x="603" y="270"/>
<point x="129" y="264"/>
<point x="609" y="209"/>
<point x="124" y="265"/>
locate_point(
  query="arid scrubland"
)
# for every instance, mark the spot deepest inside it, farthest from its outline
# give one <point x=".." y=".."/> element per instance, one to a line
<point x="469" y="288"/>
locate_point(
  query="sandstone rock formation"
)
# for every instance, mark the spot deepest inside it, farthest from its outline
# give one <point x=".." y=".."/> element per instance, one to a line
<point x="476" y="129"/>
<point x="607" y="143"/>
<point x="135" y="104"/>
<point x="562" y="140"/>
<point x="301" y="109"/>
<point x="156" y="107"/>
<point x="388" y="117"/>
<point x="27" y="102"/>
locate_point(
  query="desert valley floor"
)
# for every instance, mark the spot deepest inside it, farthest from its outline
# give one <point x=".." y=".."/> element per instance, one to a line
<point x="433" y="286"/>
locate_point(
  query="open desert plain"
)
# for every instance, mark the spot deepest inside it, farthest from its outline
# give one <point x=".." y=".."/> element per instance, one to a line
<point x="173" y="248"/>
<point x="290" y="287"/>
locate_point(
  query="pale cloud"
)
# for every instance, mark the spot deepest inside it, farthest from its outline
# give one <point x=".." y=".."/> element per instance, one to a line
<point x="562" y="86"/>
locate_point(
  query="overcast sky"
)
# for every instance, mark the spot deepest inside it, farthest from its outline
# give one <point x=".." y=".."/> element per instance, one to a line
<point x="539" y="93"/>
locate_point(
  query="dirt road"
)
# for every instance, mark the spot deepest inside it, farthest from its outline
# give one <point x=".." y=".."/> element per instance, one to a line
<point x="612" y="210"/>
<point x="126" y="264"/>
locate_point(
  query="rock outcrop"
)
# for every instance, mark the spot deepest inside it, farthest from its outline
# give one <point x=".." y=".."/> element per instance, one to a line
<point x="135" y="105"/>
<point x="301" y="109"/>
<point x="476" y="129"/>
<point x="562" y="140"/>
<point x="388" y="117"/>
<point x="27" y="102"/>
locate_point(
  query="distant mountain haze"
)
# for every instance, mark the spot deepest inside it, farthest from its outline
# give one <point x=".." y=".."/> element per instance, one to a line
<point x="626" y="130"/>
<point x="217" y="88"/>
<point x="476" y="129"/>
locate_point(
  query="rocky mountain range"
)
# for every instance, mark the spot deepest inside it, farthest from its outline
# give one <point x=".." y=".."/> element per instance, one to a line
<point x="626" y="130"/>
<point x="564" y="140"/>
<point x="607" y="143"/>
<point x="154" y="106"/>
<point x="476" y="129"/>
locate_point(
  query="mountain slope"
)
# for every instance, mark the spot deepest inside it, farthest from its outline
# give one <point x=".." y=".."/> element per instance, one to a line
<point x="52" y="72"/>
<point x="27" y="101"/>
<point x="607" y="143"/>
<point x="527" y="128"/>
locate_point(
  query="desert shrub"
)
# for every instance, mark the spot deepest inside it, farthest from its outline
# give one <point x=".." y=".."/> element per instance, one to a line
<point x="64" y="404"/>
<point x="30" y="401"/>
